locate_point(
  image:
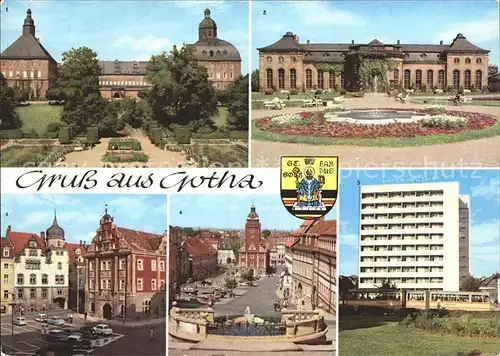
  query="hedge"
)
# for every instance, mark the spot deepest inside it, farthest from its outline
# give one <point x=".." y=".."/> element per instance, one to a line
<point x="155" y="135"/>
<point x="122" y="158"/>
<point x="235" y="135"/>
<point x="11" y="134"/>
<point x="124" y="144"/>
<point x="65" y="134"/>
<point x="182" y="135"/>
<point x="92" y="135"/>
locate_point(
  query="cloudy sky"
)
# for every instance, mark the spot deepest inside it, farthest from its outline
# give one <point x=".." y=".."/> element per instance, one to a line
<point x="483" y="187"/>
<point x="410" y="22"/>
<point x="231" y="211"/>
<point x="125" y="30"/>
<point x="79" y="214"/>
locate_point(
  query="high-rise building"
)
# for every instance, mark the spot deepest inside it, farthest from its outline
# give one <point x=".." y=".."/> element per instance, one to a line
<point x="414" y="236"/>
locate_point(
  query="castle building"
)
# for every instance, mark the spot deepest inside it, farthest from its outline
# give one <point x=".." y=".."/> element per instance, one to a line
<point x="125" y="272"/>
<point x="26" y="64"/>
<point x="253" y="254"/>
<point x="291" y="65"/>
<point x="414" y="236"/>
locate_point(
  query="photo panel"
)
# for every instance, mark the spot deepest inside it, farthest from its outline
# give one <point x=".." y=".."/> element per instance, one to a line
<point x="250" y="277"/>
<point x="84" y="274"/>
<point x="420" y="256"/>
<point x="125" y="84"/>
<point x="378" y="84"/>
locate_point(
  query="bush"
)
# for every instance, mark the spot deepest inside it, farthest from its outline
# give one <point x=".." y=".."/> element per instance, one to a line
<point x="93" y="135"/>
<point x="65" y="134"/>
<point x="182" y="135"/>
<point x="155" y="135"/>
<point x="11" y="134"/>
<point x="125" y="157"/>
<point x="294" y="92"/>
<point x="124" y="144"/>
<point x="53" y="127"/>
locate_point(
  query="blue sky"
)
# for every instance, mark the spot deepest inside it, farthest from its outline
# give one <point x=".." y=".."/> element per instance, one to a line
<point x="362" y="21"/>
<point x="231" y="211"/>
<point x="79" y="214"/>
<point x="125" y="30"/>
<point x="483" y="187"/>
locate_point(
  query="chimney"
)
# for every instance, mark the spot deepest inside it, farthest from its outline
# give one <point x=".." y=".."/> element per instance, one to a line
<point x="398" y="41"/>
<point x="352" y="41"/>
<point x="8" y="230"/>
<point x="42" y="235"/>
<point x="308" y="42"/>
<point x="440" y="43"/>
<point x="81" y="242"/>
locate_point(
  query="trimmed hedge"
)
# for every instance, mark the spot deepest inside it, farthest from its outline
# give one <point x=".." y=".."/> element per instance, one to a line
<point x="92" y="135"/>
<point x="124" y="144"/>
<point x="182" y="135"/>
<point x="65" y="135"/>
<point x="235" y="135"/>
<point x="125" y="158"/>
<point x="156" y="135"/>
<point x="11" y="134"/>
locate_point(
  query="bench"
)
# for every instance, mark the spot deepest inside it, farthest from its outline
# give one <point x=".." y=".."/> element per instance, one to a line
<point x="273" y="105"/>
<point x="465" y="100"/>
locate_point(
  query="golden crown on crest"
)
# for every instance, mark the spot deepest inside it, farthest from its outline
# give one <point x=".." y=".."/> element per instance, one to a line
<point x="309" y="161"/>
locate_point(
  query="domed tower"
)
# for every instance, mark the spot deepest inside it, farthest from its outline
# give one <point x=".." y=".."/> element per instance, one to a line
<point x="29" y="24"/>
<point x="208" y="28"/>
<point x="55" y="234"/>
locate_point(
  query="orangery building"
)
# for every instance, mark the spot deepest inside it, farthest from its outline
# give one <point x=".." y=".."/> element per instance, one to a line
<point x="289" y="65"/>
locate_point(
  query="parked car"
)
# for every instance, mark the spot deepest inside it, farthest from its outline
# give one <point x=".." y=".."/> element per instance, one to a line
<point x="20" y="321"/>
<point x="77" y="344"/>
<point x="88" y="332"/>
<point x="75" y="337"/>
<point x="103" y="329"/>
<point x="56" y="335"/>
<point x="55" y="320"/>
<point x="42" y="318"/>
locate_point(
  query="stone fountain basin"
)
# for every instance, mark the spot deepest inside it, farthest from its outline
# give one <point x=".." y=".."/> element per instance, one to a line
<point x="374" y="117"/>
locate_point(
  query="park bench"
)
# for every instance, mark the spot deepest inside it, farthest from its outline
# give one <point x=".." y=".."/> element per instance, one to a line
<point x="466" y="100"/>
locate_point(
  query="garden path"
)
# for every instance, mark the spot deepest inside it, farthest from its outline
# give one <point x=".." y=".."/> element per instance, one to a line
<point x="88" y="158"/>
<point x="474" y="153"/>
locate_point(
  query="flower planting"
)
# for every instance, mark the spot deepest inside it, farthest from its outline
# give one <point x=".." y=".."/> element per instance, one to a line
<point x="309" y="124"/>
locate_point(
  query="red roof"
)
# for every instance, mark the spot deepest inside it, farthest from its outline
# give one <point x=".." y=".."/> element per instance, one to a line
<point x="140" y="241"/>
<point x="72" y="247"/>
<point x="19" y="240"/>
<point x="199" y="247"/>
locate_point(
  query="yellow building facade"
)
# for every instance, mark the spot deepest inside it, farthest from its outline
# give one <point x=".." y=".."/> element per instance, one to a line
<point x="7" y="275"/>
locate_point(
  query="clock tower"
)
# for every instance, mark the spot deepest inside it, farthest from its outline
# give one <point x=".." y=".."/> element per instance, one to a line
<point x="253" y="255"/>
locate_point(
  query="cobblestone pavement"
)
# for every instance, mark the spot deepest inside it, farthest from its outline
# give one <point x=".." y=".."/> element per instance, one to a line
<point x="472" y="153"/>
<point x="260" y="299"/>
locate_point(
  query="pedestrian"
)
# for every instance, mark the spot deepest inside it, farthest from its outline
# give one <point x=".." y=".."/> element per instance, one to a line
<point x="85" y="315"/>
<point x="151" y="334"/>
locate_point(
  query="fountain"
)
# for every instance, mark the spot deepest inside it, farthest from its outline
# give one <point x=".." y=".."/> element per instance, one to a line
<point x="375" y="83"/>
<point x="374" y="116"/>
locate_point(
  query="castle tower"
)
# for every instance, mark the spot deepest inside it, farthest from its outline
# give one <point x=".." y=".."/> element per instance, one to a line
<point x="208" y="28"/>
<point x="29" y="25"/>
<point x="54" y="234"/>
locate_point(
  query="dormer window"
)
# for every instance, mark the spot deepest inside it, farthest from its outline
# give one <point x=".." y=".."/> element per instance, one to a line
<point x="326" y="54"/>
<point x="78" y="252"/>
<point x="5" y="252"/>
<point x="423" y="55"/>
<point x="224" y="52"/>
<point x="204" y="52"/>
<point x="33" y="244"/>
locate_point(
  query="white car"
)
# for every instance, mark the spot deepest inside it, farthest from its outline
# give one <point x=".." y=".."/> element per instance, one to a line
<point x="103" y="329"/>
<point x="20" y="321"/>
<point x="41" y="318"/>
<point x="55" y="320"/>
<point x="75" y="337"/>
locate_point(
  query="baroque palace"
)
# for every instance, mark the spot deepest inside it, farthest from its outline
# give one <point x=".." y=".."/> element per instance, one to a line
<point x="27" y="64"/>
<point x="290" y="65"/>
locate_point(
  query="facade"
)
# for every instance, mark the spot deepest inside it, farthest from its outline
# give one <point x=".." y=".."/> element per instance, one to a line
<point x="253" y="255"/>
<point x="7" y="275"/>
<point x="122" y="79"/>
<point x="76" y="254"/>
<point x="126" y="272"/>
<point x="225" y="251"/>
<point x="315" y="264"/>
<point x="290" y="65"/>
<point x="276" y="246"/>
<point x="40" y="269"/>
<point x="491" y="285"/>
<point x="26" y="64"/>
<point x="415" y="236"/>
<point x="202" y="258"/>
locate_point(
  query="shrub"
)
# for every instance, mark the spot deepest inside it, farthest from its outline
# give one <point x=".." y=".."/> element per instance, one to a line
<point x="93" y="135"/>
<point x="124" y="144"/>
<point x="65" y="134"/>
<point x="125" y="157"/>
<point x="53" y="127"/>
<point x="294" y="92"/>
<point x="11" y="134"/>
<point x="182" y="135"/>
<point x="155" y="135"/>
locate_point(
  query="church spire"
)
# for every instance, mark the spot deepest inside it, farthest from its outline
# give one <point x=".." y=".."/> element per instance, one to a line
<point x="29" y="25"/>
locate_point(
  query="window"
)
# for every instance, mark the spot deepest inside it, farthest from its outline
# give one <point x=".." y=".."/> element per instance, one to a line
<point x="6" y="265"/>
<point x="39" y="74"/>
<point x="20" y="278"/>
<point x="456" y="79"/>
<point x="467" y="60"/>
<point x="59" y="265"/>
<point x="5" y="294"/>
<point x="103" y="284"/>
<point x="25" y="74"/>
<point x="5" y="252"/>
<point x="395" y="77"/>
<point x="211" y="53"/>
<point x="139" y="284"/>
<point x="103" y="265"/>
<point x="45" y="279"/>
<point x="479" y="61"/>
<point x="441" y="79"/>
<point x="479" y="79"/>
<point x="406" y="79"/>
<point x="281" y="78"/>
<point x="59" y="279"/>
<point x="122" y="284"/>
<point x="293" y="79"/>
<point x="418" y="79"/>
<point x="467" y="78"/>
<point x="153" y="284"/>
<point x="139" y="265"/>
<point x="59" y="292"/>
<point x="153" y="265"/>
<point x="162" y="266"/>
<point x="5" y="278"/>
<point x="231" y="75"/>
<point x="331" y="79"/>
<point x="33" y="278"/>
<point x="44" y="293"/>
<point x="11" y="74"/>
<point x="269" y="78"/>
<point x="32" y="293"/>
<point x="121" y="264"/>
<point x="430" y="79"/>
<point x="309" y="79"/>
<point x="108" y="265"/>
<point x="281" y="59"/>
<point x="321" y="82"/>
<point x="20" y="294"/>
<point x="269" y="59"/>
<point x="456" y="60"/>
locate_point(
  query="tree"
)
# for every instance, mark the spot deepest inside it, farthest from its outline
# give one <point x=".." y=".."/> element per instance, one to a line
<point x="230" y="283"/>
<point x="248" y="276"/>
<point x="78" y="85"/>
<point x="237" y="104"/>
<point x="181" y="92"/>
<point x="266" y="233"/>
<point x="255" y="80"/>
<point x="9" y="117"/>
<point x="345" y="284"/>
<point x="21" y="95"/>
<point x="492" y="72"/>
<point x="470" y="284"/>
<point x="387" y="285"/>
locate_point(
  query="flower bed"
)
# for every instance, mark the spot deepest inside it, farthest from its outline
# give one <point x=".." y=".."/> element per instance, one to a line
<point x="307" y="124"/>
<point x="124" y="144"/>
<point x="122" y="157"/>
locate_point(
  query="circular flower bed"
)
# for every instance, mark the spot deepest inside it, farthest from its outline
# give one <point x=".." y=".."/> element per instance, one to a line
<point x="310" y="124"/>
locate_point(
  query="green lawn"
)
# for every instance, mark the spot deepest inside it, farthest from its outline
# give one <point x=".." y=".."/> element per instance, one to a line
<point x="221" y="119"/>
<point x="32" y="156"/>
<point x="447" y="102"/>
<point x="258" y="134"/>
<point x="37" y="117"/>
<point x="391" y="339"/>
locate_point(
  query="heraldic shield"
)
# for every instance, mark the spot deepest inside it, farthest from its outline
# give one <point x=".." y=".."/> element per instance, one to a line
<point x="309" y="185"/>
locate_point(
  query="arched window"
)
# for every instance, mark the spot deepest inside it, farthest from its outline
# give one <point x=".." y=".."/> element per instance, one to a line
<point x="467" y="60"/>
<point x="395" y="77"/>
<point x="219" y="52"/>
<point x="211" y="53"/>
<point x="456" y="79"/>
<point x="281" y="78"/>
<point x="321" y="81"/>
<point x="418" y="79"/>
<point x="293" y="79"/>
<point x="20" y="278"/>
<point x="309" y="79"/>
<point x="281" y="59"/>
<point x="269" y="78"/>
<point x="269" y="59"/>
<point x="441" y="79"/>
<point x="32" y="278"/>
<point x="331" y="79"/>
<point x="456" y="60"/>
<point x="479" y="61"/>
<point x="407" y="79"/>
<point x="467" y="79"/>
<point x="479" y="79"/>
<point x="45" y="278"/>
<point x="430" y="79"/>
